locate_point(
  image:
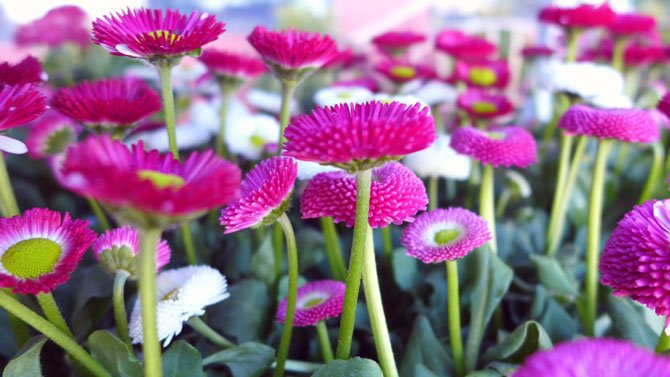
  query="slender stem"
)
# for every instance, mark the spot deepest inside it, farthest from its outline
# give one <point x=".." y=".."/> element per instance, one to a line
<point x="353" y="282"/>
<point x="375" y="306"/>
<point x="654" y="173"/>
<point x="203" y="328"/>
<point x="292" y="251"/>
<point x="387" y="242"/>
<point x="13" y="306"/>
<point x="11" y="208"/>
<point x="621" y="158"/>
<point x="433" y="195"/>
<point x="333" y="250"/>
<point x="189" y="247"/>
<point x="573" y="45"/>
<point x="618" y="62"/>
<point x="146" y="265"/>
<point x="120" y="314"/>
<point x="439" y="123"/>
<point x="278" y="249"/>
<point x="486" y="204"/>
<point x="324" y="341"/>
<point x="503" y="201"/>
<point x="560" y="208"/>
<point x="453" y="308"/>
<point x="663" y="342"/>
<point x="593" y="235"/>
<point x="226" y="96"/>
<point x="99" y="213"/>
<point x="287" y="89"/>
<point x="52" y="312"/>
<point x="165" y="73"/>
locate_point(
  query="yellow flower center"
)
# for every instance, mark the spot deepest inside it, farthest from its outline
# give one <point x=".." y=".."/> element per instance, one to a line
<point x="483" y="76"/>
<point x="161" y="180"/>
<point x="312" y="302"/>
<point x="165" y="35"/>
<point x="445" y="236"/>
<point x="257" y="141"/>
<point x="173" y="295"/>
<point x="403" y="71"/>
<point x="32" y="258"/>
<point x="484" y="107"/>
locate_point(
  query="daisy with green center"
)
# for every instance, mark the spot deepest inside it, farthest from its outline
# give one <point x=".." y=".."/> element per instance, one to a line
<point x="51" y="136"/>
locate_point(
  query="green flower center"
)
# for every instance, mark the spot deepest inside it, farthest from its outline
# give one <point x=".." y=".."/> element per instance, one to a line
<point x="173" y="295"/>
<point x="483" y="76"/>
<point x="257" y="141"/>
<point x="30" y="259"/>
<point x="403" y="71"/>
<point x="484" y="107"/>
<point x="312" y="302"/>
<point x="446" y="236"/>
<point x="161" y="180"/>
<point x="344" y="95"/>
<point x="59" y="140"/>
<point x="496" y="135"/>
<point x="165" y="35"/>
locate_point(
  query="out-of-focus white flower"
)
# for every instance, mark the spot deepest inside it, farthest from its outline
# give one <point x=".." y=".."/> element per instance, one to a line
<point x="543" y="105"/>
<point x="308" y="169"/>
<point x="184" y="75"/>
<point x="435" y="92"/>
<point x="182" y="293"/>
<point x="406" y="99"/>
<point x="614" y="101"/>
<point x="268" y="102"/>
<point x="518" y="184"/>
<point x="13" y="146"/>
<point x="439" y="160"/>
<point x="583" y="79"/>
<point x="341" y="94"/>
<point x="248" y="135"/>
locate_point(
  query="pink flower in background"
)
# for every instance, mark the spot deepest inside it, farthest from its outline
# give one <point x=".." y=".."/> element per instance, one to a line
<point x="27" y="71"/>
<point x="664" y="104"/>
<point x="500" y="145"/>
<point x="629" y="125"/>
<point x="400" y="72"/>
<point x="583" y="16"/>
<point x="398" y="39"/>
<point x="537" y="51"/>
<point x="19" y="105"/>
<point x="463" y="46"/>
<point x="51" y="135"/>
<point x="344" y="59"/>
<point x="484" y="74"/>
<point x="292" y="49"/>
<point x="483" y="105"/>
<point x="116" y="249"/>
<point x="365" y="82"/>
<point x="232" y="64"/>
<point x="638" y="54"/>
<point x="316" y="302"/>
<point x="629" y="24"/>
<point x="66" y="24"/>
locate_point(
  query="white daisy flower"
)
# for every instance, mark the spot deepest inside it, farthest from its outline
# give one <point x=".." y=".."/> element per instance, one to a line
<point x="268" y="102"/>
<point x="435" y="92"/>
<point x="406" y="99"/>
<point x="182" y="293"/>
<point x="249" y="135"/>
<point x="613" y="101"/>
<point x="584" y="79"/>
<point x="11" y="145"/>
<point x="341" y="94"/>
<point x="439" y="160"/>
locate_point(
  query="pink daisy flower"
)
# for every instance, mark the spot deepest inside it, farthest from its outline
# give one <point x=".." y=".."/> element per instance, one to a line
<point x="444" y="234"/>
<point x="400" y="72"/>
<point x="483" y="105"/>
<point x="39" y="250"/>
<point x="628" y="24"/>
<point x="664" y="104"/>
<point x="19" y="104"/>
<point x="594" y="357"/>
<point x="537" y="51"/>
<point x="344" y="59"/>
<point x="116" y="249"/>
<point x="108" y="105"/>
<point x="317" y="301"/>
<point x="484" y="74"/>
<point x="638" y="55"/>
<point x="51" y="135"/>
<point x="147" y="34"/>
<point x="359" y="136"/>
<point x="231" y="65"/>
<point x="583" y="16"/>
<point x="398" y="39"/>
<point x="266" y="195"/>
<point x="462" y="46"/>
<point x="149" y="188"/>
<point x="66" y="24"/>
<point x="396" y="195"/>
<point x="630" y="125"/>
<point x="500" y="145"/>
<point x="27" y="71"/>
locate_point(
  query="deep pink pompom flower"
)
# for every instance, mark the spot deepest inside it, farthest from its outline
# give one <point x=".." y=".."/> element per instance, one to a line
<point x="39" y="250"/>
<point x="444" y="234"/>
<point x="147" y="188"/>
<point x="20" y="104"/>
<point x="630" y="125"/>
<point x="595" y="357"/>
<point x="484" y="105"/>
<point x="629" y="24"/>
<point x="484" y="74"/>
<point x="27" y="71"/>
<point x="66" y="24"/>
<point x="292" y="49"/>
<point x="499" y="145"/>
<point x="147" y="34"/>
<point x="398" y="39"/>
<point x="583" y="16"/>
<point x="108" y="105"/>
<point x="463" y="46"/>
<point x="537" y="51"/>
<point x="51" y="135"/>
<point x="400" y="72"/>
<point x="316" y="302"/>
<point x="359" y="136"/>
<point x="396" y="195"/>
<point x="232" y="65"/>
<point x="116" y="250"/>
<point x="266" y="193"/>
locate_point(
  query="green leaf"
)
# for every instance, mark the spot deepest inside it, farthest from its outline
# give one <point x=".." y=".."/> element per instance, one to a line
<point x="552" y="275"/>
<point x="356" y="367"/>
<point x="245" y="360"/>
<point x="311" y="246"/>
<point x="181" y="359"/>
<point x="114" y="355"/>
<point x="422" y="371"/>
<point x="262" y="262"/>
<point x="491" y="278"/>
<point x="244" y="313"/>
<point x="27" y="363"/>
<point x="558" y="323"/>
<point x="405" y="270"/>
<point x="9" y="346"/>
<point x="629" y="323"/>
<point x="485" y="373"/>
<point x="424" y="348"/>
<point x="523" y="341"/>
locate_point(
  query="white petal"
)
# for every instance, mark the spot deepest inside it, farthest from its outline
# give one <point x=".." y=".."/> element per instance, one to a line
<point x="13" y="146"/>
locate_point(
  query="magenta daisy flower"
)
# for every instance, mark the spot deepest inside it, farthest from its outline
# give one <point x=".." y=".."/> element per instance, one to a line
<point x="462" y="46"/>
<point x="500" y="145"/>
<point x="27" y="71"/>
<point x="629" y="24"/>
<point x="398" y="39"/>
<point x="108" y="105"/>
<point x="147" y="34"/>
<point x="116" y="249"/>
<point x="51" y="135"/>
<point x="400" y="72"/>
<point x="637" y="55"/>
<point x="595" y="357"/>
<point x="343" y="59"/>
<point x="630" y="125"/>
<point x="317" y="301"/>
<point x="444" y="234"/>
<point x="39" y="250"/>
<point x="359" y="136"/>
<point x="583" y="16"/>
<point x="396" y="195"/>
<point x="536" y="51"/>
<point x="664" y="104"/>
<point x="149" y="189"/>
<point x="232" y="66"/>
<point x="483" y="105"/>
<point x="484" y="74"/>
<point x="19" y="104"/>
<point x="66" y="24"/>
<point x="266" y="194"/>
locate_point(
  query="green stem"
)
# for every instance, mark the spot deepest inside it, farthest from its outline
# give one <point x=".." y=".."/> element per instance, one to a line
<point x="287" y="89"/>
<point x="189" y="247"/>
<point x="503" y="201"/>
<point x="453" y="304"/>
<point x="560" y="206"/>
<point x="292" y="251"/>
<point x="433" y="198"/>
<point x="663" y="342"/>
<point x="165" y="73"/>
<point x="333" y="250"/>
<point x="277" y="249"/>
<point x="353" y="282"/>
<point x="387" y="242"/>
<point x="573" y="45"/>
<point x="593" y="235"/>
<point x="324" y="342"/>
<point x="52" y="312"/>
<point x="146" y="265"/>
<point x="120" y="314"/>
<point x="621" y="158"/>
<point x="618" y="54"/>
<point x="486" y="204"/>
<point x="437" y="117"/>
<point x="203" y="328"/>
<point x="226" y="96"/>
<point x="13" y="306"/>
<point x="375" y="306"/>
<point x="655" y="173"/>
<point x="11" y="208"/>
<point x="99" y="213"/>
